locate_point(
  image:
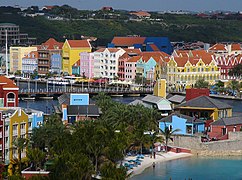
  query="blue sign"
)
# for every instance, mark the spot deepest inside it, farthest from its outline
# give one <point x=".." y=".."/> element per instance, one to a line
<point x="79" y="99"/>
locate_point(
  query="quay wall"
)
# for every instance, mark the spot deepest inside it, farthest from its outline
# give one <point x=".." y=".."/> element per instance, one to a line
<point x="232" y="146"/>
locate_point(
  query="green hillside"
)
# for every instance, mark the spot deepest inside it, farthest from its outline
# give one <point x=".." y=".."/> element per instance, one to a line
<point x="176" y="27"/>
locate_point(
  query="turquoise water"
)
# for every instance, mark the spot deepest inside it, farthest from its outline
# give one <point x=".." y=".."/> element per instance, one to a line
<point x="202" y="168"/>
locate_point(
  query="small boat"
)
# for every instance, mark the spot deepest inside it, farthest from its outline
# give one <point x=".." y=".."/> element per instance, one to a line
<point x="47" y="97"/>
<point x="28" y="98"/>
<point x="133" y="95"/>
<point x="116" y="95"/>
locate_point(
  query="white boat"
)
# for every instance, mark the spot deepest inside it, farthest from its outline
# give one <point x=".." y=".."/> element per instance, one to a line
<point x="58" y="81"/>
<point x="47" y="97"/>
<point x="117" y="95"/>
<point x="28" y="98"/>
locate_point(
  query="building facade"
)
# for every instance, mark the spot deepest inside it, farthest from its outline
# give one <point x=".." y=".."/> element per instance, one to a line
<point x="71" y="53"/>
<point x="16" y="56"/>
<point x="87" y="64"/>
<point x="30" y="63"/>
<point x="106" y="62"/>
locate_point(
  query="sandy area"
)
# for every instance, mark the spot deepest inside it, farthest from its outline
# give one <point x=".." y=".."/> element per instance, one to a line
<point x="147" y="161"/>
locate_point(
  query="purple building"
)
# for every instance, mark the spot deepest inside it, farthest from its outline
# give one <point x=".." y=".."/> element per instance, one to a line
<point x="86" y="64"/>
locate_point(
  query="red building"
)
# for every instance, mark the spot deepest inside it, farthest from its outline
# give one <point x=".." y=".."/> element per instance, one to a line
<point x="8" y="93"/>
<point x="220" y="128"/>
<point x="194" y="92"/>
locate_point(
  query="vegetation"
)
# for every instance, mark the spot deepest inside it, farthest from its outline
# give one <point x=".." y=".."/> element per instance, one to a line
<point x="92" y="147"/>
<point x="104" y="26"/>
<point x="201" y="83"/>
<point x="236" y="71"/>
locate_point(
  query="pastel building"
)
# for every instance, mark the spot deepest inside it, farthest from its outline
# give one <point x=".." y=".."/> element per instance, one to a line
<point x="186" y="124"/>
<point x="49" y="54"/>
<point x="76" y="68"/>
<point x="130" y="68"/>
<point x="77" y="107"/>
<point x="71" y="53"/>
<point x="30" y="63"/>
<point x="129" y="53"/>
<point x="16" y="56"/>
<point x="223" y="50"/>
<point x="185" y="71"/>
<point x="87" y="64"/>
<point x="17" y="122"/>
<point x="8" y="93"/>
<point x="106" y="62"/>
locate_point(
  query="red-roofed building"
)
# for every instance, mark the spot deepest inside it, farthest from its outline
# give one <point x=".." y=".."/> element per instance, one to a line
<point x="8" y="93"/>
<point x="71" y="53"/>
<point x="30" y="63"/>
<point x="141" y="14"/>
<point x="49" y="57"/>
<point x="226" y="50"/>
<point x="107" y="8"/>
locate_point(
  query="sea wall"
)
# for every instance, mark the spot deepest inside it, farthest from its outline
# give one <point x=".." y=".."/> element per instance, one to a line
<point x="232" y="146"/>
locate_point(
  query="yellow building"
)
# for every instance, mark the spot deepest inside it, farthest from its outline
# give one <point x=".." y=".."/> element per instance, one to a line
<point x="15" y="125"/>
<point x="71" y="53"/>
<point x="160" y="88"/>
<point x="16" y="56"/>
<point x="204" y="107"/>
<point x="185" y="71"/>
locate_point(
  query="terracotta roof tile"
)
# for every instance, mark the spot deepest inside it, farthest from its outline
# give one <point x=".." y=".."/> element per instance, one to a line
<point x="235" y="47"/>
<point x="218" y="47"/>
<point x="36" y="54"/>
<point x="79" y="43"/>
<point x="134" y="59"/>
<point x="128" y="41"/>
<point x="141" y="14"/>
<point x="8" y="83"/>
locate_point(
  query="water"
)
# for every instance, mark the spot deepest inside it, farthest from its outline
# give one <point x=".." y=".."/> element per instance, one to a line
<point x="202" y="168"/>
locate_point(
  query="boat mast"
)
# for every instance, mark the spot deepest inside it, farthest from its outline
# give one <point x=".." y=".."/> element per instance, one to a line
<point x="6" y="33"/>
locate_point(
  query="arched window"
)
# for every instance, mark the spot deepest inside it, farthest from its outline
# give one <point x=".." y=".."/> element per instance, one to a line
<point x="10" y="97"/>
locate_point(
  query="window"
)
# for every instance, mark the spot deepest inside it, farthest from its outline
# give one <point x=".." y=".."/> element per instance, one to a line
<point x="189" y="129"/>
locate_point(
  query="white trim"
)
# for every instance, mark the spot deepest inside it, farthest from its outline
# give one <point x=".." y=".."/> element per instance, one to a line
<point x="10" y="88"/>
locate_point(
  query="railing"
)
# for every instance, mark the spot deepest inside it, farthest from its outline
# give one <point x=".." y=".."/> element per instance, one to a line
<point x="15" y="132"/>
<point x="22" y="131"/>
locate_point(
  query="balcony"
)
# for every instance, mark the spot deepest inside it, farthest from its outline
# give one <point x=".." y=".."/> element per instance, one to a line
<point x="22" y="131"/>
<point x="6" y="134"/>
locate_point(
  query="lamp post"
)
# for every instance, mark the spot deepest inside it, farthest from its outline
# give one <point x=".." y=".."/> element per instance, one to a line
<point x="6" y="46"/>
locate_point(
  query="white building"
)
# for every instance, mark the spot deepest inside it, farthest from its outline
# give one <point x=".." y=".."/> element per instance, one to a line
<point x="30" y="63"/>
<point x="106" y="62"/>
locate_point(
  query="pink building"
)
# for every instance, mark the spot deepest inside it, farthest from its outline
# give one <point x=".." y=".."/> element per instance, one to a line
<point x="130" y="68"/>
<point x="87" y="64"/>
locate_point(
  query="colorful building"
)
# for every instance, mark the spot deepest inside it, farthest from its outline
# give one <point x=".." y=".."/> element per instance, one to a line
<point x="87" y="64"/>
<point x="47" y="52"/>
<point x="30" y="63"/>
<point x="185" y="71"/>
<point x="160" y="88"/>
<point x="16" y="56"/>
<point x="130" y="68"/>
<point x="71" y="53"/>
<point x="17" y="122"/>
<point x="224" y="50"/>
<point x="206" y="108"/>
<point x="8" y="93"/>
<point x="186" y="124"/>
<point x="220" y="128"/>
<point x="106" y="62"/>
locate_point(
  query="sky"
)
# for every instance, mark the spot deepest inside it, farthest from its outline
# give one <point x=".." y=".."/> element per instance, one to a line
<point x="147" y="5"/>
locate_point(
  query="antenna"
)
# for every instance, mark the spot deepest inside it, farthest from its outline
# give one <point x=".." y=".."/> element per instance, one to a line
<point x="6" y="33"/>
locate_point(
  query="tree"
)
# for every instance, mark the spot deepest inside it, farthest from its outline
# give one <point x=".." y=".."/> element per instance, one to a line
<point x="18" y="73"/>
<point x="234" y="85"/>
<point x="236" y="71"/>
<point x="110" y="171"/>
<point x="36" y="157"/>
<point x="168" y="133"/>
<point x="201" y="83"/>
<point x="20" y="144"/>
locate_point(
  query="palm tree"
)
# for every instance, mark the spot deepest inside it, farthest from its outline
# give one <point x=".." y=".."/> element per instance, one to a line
<point x="168" y="133"/>
<point x="20" y="144"/>
<point x="36" y="156"/>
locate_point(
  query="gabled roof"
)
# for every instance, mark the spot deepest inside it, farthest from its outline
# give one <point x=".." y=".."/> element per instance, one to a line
<point x="132" y="51"/>
<point x="204" y="102"/>
<point x="141" y="14"/>
<point x="79" y="43"/>
<point x="128" y="41"/>
<point x="111" y="50"/>
<point x="31" y="53"/>
<point x="7" y="83"/>
<point x="136" y="102"/>
<point x="83" y="110"/>
<point x="52" y="44"/>
<point x="228" y="121"/>
<point x="218" y="47"/>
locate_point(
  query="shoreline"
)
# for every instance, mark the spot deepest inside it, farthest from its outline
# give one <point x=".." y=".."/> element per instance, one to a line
<point x="160" y="157"/>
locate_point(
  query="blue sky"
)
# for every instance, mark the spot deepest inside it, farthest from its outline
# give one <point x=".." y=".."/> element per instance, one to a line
<point x="151" y="5"/>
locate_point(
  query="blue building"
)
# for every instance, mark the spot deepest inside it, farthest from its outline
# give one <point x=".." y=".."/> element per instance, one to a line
<point x="56" y="63"/>
<point x="187" y="125"/>
<point x="144" y="43"/>
<point x="36" y="118"/>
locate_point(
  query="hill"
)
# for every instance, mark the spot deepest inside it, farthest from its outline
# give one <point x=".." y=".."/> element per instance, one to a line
<point x="176" y="27"/>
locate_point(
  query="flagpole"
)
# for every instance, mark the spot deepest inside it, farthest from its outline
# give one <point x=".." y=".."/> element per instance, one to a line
<point x="6" y="33"/>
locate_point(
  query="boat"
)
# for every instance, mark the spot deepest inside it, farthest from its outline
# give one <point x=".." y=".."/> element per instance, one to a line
<point x="133" y="95"/>
<point x="47" y="97"/>
<point x="58" y="81"/>
<point x="116" y="95"/>
<point x="28" y="98"/>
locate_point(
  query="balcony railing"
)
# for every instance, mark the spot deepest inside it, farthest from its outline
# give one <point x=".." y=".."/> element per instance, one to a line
<point x="15" y="132"/>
